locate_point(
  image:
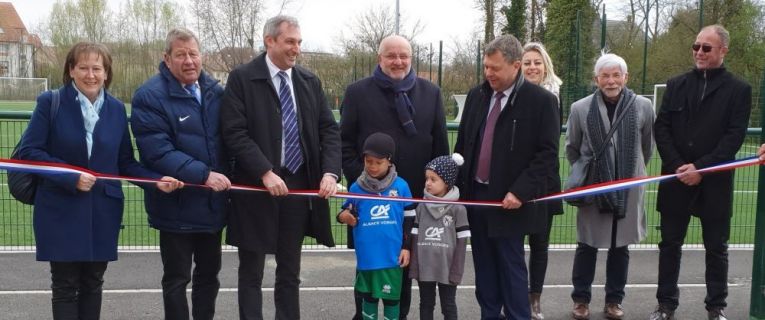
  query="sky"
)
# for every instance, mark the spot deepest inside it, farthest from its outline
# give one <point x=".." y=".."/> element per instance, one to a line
<point x="322" y="20"/>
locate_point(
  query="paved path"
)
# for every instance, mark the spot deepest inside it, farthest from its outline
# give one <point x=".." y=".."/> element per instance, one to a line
<point x="133" y="291"/>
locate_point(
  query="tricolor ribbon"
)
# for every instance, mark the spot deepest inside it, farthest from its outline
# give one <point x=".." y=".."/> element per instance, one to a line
<point x="59" y="168"/>
<point x="638" y="181"/>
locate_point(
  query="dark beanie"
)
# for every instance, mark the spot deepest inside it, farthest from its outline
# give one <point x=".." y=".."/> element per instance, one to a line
<point x="446" y="167"/>
<point x="380" y="145"/>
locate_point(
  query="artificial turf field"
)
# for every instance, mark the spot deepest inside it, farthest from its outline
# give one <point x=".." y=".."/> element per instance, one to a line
<point x="16" y="230"/>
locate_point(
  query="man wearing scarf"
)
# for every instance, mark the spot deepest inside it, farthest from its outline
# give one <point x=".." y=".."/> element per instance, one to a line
<point x="702" y="122"/>
<point x="616" y="219"/>
<point x="509" y="138"/>
<point x="409" y="109"/>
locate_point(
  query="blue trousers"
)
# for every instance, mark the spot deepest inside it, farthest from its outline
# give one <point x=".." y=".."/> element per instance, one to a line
<point x="500" y="271"/>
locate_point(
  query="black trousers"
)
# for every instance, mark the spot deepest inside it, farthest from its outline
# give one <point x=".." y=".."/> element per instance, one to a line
<point x="715" y="233"/>
<point x="293" y="223"/>
<point x="77" y="288"/>
<point x="617" y="265"/>
<point x="178" y="250"/>
<point x="447" y="294"/>
<point x="538" y="245"/>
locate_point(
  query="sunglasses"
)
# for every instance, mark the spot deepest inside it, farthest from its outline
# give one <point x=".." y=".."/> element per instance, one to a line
<point x="706" y="48"/>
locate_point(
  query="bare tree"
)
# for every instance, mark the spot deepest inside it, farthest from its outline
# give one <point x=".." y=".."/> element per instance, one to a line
<point x="283" y="5"/>
<point x="72" y="21"/>
<point x="146" y="21"/>
<point x="371" y="26"/>
<point x="488" y="7"/>
<point x="536" y="20"/>
<point x="63" y="24"/>
<point x="94" y="18"/>
<point x="229" y="28"/>
<point x="139" y="42"/>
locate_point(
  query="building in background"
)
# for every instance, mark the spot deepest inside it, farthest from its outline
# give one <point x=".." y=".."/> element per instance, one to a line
<point x="17" y="46"/>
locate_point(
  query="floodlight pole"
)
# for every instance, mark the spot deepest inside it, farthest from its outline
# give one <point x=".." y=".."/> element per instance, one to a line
<point x="757" y="295"/>
<point x="645" y="42"/>
<point x="701" y="14"/>
<point x="397" y="16"/>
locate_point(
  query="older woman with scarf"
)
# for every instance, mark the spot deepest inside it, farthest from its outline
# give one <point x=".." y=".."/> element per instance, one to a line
<point x="613" y="118"/>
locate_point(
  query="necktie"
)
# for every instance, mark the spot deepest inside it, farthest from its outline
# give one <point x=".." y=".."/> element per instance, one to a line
<point x="293" y="157"/>
<point x="192" y="89"/>
<point x="484" y="157"/>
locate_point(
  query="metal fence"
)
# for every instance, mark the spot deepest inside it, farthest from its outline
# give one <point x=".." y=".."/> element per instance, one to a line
<point x="16" y="219"/>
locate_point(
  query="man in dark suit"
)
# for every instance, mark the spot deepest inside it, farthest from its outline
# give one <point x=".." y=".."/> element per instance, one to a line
<point x="702" y="122"/>
<point x="276" y="124"/>
<point x="509" y="138"/>
<point x="409" y="109"/>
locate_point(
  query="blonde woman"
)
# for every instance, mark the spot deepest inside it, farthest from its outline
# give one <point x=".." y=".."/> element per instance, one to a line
<point x="538" y="69"/>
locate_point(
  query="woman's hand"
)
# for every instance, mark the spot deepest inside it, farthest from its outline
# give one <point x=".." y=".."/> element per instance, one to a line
<point x="86" y="182"/>
<point x="169" y="184"/>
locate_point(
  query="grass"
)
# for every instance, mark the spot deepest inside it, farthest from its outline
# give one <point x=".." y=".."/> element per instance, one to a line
<point x="17" y="105"/>
<point x="29" y="106"/>
<point x="16" y="219"/>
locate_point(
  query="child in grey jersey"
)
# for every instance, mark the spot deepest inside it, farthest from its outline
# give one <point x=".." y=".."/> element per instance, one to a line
<point x="439" y="238"/>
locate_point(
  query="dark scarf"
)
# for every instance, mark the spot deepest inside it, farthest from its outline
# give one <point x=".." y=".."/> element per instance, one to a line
<point x="626" y="145"/>
<point x="374" y="185"/>
<point x="401" y="102"/>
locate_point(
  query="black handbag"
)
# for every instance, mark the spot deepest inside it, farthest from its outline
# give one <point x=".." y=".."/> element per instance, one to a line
<point x="23" y="185"/>
<point x="592" y="175"/>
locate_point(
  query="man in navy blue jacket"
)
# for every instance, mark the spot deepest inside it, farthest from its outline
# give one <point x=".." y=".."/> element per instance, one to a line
<point x="175" y="122"/>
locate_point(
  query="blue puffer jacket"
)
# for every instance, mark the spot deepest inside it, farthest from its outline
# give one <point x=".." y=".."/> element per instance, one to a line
<point x="178" y="137"/>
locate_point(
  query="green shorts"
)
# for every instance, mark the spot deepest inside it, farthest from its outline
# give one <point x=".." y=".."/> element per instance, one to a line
<point x="381" y="284"/>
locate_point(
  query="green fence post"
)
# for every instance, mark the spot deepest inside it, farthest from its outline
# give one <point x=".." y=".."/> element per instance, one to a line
<point x="440" y="60"/>
<point x="430" y="63"/>
<point x="418" y="59"/>
<point x="603" y="24"/>
<point x="757" y="303"/>
<point x="478" y="63"/>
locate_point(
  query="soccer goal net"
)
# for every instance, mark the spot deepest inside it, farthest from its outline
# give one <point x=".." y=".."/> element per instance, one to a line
<point x="24" y="89"/>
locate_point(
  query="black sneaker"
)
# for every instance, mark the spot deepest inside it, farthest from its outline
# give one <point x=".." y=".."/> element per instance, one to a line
<point x="662" y="312"/>
<point x="716" y="314"/>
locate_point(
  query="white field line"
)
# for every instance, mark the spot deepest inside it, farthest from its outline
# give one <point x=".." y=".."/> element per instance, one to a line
<point x="343" y="249"/>
<point x="344" y="289"/>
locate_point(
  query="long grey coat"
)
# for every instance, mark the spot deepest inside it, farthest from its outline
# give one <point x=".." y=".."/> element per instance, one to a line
<point x="594" y="228"/>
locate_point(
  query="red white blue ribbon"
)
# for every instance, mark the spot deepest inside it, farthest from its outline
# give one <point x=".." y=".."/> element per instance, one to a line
<point x="638" y="181"/>
<point x="59" y="168"/>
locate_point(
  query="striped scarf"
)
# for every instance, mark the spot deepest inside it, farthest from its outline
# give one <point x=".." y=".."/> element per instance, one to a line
<point x="625" y="148"/>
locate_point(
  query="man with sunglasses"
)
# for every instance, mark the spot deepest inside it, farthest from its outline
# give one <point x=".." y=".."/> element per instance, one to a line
<point x="702" y="122"/>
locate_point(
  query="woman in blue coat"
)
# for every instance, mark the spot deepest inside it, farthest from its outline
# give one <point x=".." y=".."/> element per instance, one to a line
<point x="76" y="216"/>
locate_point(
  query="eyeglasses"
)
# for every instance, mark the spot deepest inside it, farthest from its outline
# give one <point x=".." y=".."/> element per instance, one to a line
<point x="706" y="48"/>
<point x="393" y="56"/>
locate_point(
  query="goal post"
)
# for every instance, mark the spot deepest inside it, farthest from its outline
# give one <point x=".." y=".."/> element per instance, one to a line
<point x="658" y="93"/>
<point x="22" y="89"/>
